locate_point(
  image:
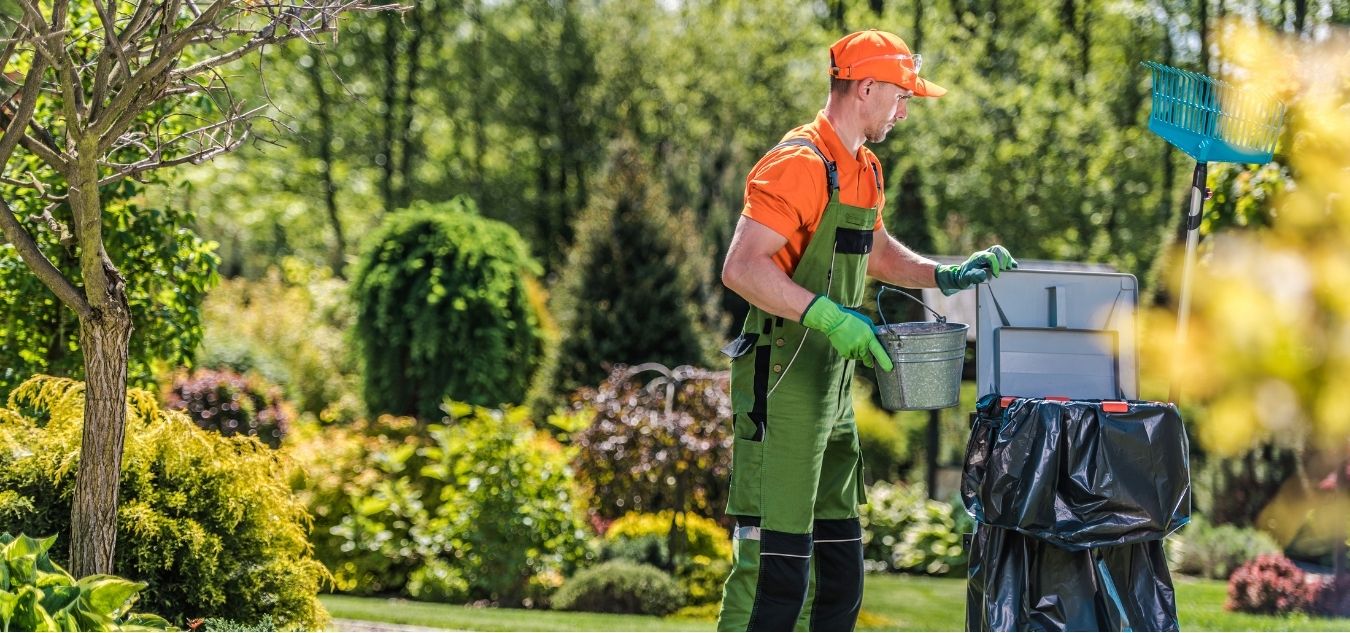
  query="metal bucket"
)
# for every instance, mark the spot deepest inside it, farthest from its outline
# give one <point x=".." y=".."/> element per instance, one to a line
<point x="928" y="357"/>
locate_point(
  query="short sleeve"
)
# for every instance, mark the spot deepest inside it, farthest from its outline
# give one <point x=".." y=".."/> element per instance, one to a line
<point x="875" y="165"/>
<point x="786" y="189"/>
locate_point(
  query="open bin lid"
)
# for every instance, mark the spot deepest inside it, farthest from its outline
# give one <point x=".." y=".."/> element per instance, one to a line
<point x="1057" y="333"/>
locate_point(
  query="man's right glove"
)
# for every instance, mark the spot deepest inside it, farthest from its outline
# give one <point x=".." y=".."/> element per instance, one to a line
<point x="850" y="333"/>
<point x="981" y="266"/>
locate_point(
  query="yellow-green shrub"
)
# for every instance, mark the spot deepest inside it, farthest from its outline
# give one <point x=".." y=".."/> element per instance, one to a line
<point x="704" y="537"/>
<point x="207" y="522"/>
<point x="702" y="562"/>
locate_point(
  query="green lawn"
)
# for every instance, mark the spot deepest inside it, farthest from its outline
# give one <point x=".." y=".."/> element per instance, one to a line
<point x="892" y="603"/>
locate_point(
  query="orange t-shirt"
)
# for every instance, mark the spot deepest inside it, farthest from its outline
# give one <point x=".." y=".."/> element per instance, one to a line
<point x="787" y="191"/>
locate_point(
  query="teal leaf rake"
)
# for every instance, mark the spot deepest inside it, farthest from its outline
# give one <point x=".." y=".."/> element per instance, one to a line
<point x="1212" y="121"/>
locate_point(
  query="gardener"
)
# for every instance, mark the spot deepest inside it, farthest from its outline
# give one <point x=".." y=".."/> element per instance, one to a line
<point x="809" y="234"/>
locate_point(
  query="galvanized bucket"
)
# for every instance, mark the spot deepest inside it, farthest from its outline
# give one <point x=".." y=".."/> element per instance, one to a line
<point x="928" y="357"/>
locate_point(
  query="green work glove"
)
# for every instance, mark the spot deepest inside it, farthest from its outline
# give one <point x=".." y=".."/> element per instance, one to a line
<point x="850" y="333"/>
<point x="984" y="264"/>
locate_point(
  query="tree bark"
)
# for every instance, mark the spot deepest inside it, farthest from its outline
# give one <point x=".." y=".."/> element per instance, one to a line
<point x="390" y="123"/>
<point x="104" y="338"/>
<point x="1203" y="19"/>
<point x="477" y="113"/>
<point x="326" y="180"/>
<point x="422" y="19"/>
<point x="105" y="335"/>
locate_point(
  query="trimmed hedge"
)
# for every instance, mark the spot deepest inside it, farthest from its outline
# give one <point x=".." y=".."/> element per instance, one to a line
<point x="620" y="586"/>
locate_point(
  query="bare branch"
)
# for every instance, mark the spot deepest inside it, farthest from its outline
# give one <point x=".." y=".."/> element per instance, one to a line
<point x="140" y="20"/>
<point x="34" y="14"/>
<point x="24" y="112"/>
<point x="40" y="265"/>
<point x="162" y="57"/>
<point x="156" y="162"/>
<point x="112" y="51"/>
<point x="34" y="184"/>
<point x="44" y="146"/>
<point x="59" y="229"/>
<point x="72" y="90"/>
<point x="11" y="45"/>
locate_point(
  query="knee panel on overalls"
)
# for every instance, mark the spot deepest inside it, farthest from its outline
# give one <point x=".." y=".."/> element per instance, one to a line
<point x="835" y="596"/>
<point x="782" y="582"/>
<point x="769" y="579"/>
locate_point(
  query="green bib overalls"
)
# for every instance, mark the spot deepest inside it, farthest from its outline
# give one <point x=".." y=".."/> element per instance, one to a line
<point x="796" y="478"/>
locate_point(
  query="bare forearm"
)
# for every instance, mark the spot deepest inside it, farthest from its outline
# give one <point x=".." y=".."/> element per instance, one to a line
<point x="765" y="285"/>
<point x="893" y="263"/>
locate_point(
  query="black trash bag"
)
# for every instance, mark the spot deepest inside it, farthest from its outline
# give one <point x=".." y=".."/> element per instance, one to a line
<point x="1072" y="502"/>
<point x="1019" y="583"/>
<point x="1074" y="475"/>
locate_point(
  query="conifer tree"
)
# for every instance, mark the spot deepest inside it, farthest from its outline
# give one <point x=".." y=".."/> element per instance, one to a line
<point x="636" y="287"/>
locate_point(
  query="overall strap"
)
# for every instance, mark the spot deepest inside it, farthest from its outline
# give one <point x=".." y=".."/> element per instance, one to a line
<point x="831" y="170"/>
<point x="876" y="177"/>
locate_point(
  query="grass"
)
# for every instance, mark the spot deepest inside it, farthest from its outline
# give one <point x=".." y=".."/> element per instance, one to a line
<point x="455" y="617"/>
<point x="891" y="603"/>
<point x="1201" y="605"/>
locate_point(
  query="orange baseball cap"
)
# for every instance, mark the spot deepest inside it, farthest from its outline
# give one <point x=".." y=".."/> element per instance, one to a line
<point x="882" y="56"/>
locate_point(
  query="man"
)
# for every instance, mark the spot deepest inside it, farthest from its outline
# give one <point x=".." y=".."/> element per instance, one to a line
<point x="809" y="235"/>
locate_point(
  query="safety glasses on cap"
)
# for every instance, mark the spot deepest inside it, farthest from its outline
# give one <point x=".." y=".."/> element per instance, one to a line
<point x="916" y="58"/>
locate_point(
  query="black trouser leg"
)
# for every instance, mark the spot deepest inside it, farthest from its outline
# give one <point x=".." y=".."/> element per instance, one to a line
<point x="784" y="560"/>
<point x="838" y="574"/>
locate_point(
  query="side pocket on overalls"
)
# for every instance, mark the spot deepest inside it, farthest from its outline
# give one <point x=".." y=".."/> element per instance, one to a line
<point x="747" y="467"/>
<point x="862" y="486"/>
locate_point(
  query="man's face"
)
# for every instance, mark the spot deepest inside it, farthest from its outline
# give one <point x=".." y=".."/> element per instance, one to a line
<point x="885" y="104"/>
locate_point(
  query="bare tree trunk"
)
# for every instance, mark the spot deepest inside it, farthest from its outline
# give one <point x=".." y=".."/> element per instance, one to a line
<point x="326" y="177"/>
<point x="105" y="335"/>
<point x="390" y="100"/>
<point x="104" y="339"/>
<point x="474" y="9"/>
<point x="1203" y="20"/>
<point x="422" y="21"/>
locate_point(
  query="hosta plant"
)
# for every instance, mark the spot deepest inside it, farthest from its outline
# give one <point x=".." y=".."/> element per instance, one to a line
<point x="38" y="595"/>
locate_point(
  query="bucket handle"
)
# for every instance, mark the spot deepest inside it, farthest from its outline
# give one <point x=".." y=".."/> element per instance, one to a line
<point x="884" y="288"/>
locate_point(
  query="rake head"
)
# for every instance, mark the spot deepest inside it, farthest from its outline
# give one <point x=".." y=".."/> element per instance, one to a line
<point x="1211" y="120"/>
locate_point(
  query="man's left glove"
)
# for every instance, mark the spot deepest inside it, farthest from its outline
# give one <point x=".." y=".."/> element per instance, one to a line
<point x="981" y="266"/>
<point x="852" y="334"/>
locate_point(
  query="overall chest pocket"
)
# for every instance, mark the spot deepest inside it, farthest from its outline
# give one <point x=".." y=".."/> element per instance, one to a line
<point x="852" y="241"/>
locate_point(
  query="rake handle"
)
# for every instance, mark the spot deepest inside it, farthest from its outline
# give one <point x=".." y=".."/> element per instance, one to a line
<point x="1187" y="272"/>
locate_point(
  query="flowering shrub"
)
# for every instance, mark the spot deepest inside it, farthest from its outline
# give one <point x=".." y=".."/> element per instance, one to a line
<point x="905" y="531"/>
<point x="229" y="403"/>
<point x="1270" y="584"/>
<point x="636" y="457"/>
<point x="1331" y="597"/>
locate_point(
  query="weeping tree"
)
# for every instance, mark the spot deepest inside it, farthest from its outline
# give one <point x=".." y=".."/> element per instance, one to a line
<point x="95" y="92"/>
